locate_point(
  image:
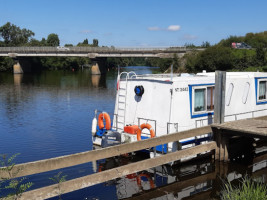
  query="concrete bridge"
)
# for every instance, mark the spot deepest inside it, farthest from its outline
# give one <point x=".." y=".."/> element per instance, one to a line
<point x="93" y="52"/>
<point x="21" y="65"/>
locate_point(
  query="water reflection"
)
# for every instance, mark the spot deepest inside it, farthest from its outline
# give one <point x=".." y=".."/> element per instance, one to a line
<point x="18" y="79"/>
<point x="195" y="179"/>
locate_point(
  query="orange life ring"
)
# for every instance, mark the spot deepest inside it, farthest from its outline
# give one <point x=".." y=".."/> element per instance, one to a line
<point x="149" y="127"/>
<point x="151" y="182"/>
<point x="101" y="118"/>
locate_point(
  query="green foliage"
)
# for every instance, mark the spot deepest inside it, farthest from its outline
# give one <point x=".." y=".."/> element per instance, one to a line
<point x="6" y="64"/>
<point x="14" y="36"/>
<point x="205" y="44"/>
<point x="247" y="190"/>
<point x="16" y="186"/>
<point x="260" y="56"/>
<point x="53" y="40"/>
<point x="253" y="39"/>
<point x="123" y="62"/>
<point x="59" y="179"/>
<point x="95" y="42"/>
<point x="85" y="43"/>
<point x="62" y="63"/>
<point x="213" y="58"/>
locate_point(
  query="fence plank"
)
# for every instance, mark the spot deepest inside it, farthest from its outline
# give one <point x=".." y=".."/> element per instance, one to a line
<point x="86" y="181"/>
<point x="88" y="156"/>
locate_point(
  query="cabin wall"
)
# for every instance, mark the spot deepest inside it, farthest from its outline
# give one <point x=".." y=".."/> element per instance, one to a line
<point x="181" y="106"/>
<point x="168" y="102"/>
<point x="242" y="103"/>
<point x="153" y="105"/>
<point x="240" y="100"/>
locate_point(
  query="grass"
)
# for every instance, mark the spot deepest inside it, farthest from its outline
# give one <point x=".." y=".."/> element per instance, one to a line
<point x="247" y="190"/>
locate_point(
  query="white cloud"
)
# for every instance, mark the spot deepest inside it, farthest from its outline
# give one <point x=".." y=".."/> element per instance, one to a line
<point x="190" y="37"/>
<point x="154" y="28"/>
<point x="86" y="31"/>
<point x="170" y="28"/>
<point x="174" y="28"/>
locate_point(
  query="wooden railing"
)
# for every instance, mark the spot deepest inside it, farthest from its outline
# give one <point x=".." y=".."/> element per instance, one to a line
<point x="84" y="157"/>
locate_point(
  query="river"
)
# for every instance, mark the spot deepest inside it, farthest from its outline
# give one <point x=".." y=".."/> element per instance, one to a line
<point x="49" y="114"/>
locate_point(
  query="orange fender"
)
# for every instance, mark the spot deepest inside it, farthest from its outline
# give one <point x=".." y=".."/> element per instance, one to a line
<point x="143" y="126"/>
<point x="104" y="116"/>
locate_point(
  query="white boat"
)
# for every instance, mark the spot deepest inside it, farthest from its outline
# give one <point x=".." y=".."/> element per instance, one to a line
<point x="168" y="103"/>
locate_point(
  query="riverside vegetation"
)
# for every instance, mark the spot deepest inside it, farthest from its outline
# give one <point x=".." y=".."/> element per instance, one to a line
<point x="248" y="189"/>
<point x="14" y="187"/>
<point x="215" y="57"/>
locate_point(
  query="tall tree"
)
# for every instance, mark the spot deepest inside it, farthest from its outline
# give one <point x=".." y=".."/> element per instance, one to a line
<point x="14" y="36"/>
<point x="85" y="41"/>
<point x="53" y="40"/>
<point x="95" y="42"/>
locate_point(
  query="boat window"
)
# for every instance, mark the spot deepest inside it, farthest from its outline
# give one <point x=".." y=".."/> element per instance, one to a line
<point x="199" y="100"/>
<point x="210" y="98"/>
<point x="262" y="90"/>
<point x="245" y="93"/>
<point x="203" y="99"/>
<point x="229" y="94"/>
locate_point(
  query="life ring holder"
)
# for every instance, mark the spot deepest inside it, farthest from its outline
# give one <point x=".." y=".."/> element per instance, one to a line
<point x="104" y="116"/>
<point x="143" y="126"/>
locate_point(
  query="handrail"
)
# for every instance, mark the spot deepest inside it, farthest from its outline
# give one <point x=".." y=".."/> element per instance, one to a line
<point x="89" y="156"/>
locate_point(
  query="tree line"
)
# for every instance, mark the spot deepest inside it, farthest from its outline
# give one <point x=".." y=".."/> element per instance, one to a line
<point x="12" y="35"/>
<point x="222" y="57"/>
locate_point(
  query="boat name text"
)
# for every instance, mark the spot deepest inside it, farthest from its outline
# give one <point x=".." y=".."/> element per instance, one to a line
<point x="182" y="89"/>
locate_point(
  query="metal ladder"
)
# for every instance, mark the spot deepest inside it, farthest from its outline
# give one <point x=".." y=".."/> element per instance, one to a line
<point x="121" y="100"/>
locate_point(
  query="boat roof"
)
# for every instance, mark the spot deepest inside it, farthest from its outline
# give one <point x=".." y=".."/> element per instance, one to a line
<point x="205" y="75"/>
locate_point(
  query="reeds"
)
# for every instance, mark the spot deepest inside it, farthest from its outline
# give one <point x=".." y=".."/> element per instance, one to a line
<point x="247" y="189"/>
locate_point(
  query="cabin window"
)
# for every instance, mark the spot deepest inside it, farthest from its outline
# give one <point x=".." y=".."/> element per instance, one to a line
<point x="200" y="103"/>
<point x="203" y="99"/>
<point x="262" y="90"/>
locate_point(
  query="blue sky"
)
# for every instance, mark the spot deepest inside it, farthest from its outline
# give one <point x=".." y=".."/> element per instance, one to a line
<point x="137" y="23"/>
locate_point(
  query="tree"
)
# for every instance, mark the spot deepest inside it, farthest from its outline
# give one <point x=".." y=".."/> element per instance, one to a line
<point x="85" y="41"/>
<point x="205" y="44"/>
<point x="214" y="58"/>
<point x="14" y="36"/>
<point x="53" y="40"/>
<point x="260" y="56"/>
<point x="95" y="42"/>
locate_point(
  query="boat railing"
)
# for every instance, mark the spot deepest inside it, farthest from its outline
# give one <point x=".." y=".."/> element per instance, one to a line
<point x="157" y="75"/>
<point x="170" y="127"/>
<point x="145" y="120"/>
<point x="251" y="113"/>
<point x="204" y="122"/>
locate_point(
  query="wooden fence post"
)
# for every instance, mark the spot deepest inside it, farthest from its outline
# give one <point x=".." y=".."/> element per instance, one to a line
<point x="219" y="112"/>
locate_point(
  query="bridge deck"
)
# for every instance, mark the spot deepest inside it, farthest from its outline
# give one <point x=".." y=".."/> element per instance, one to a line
<point x="248" y="127"/>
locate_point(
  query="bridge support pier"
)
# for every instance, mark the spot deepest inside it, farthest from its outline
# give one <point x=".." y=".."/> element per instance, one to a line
<point x="21" y="65"/>
<point x="17" y="69"/>
<point x="99" y="66"/>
